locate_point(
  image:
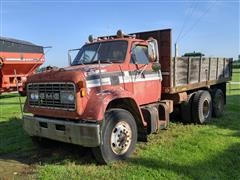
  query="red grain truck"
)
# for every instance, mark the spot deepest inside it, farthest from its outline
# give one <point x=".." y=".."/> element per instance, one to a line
<point x="118" y="89"/>
<point x="18" y="59"/>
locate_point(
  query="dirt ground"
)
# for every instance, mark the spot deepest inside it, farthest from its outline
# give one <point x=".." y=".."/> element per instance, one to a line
<point x="25" y="165"/>
<point x="12" y="166"/>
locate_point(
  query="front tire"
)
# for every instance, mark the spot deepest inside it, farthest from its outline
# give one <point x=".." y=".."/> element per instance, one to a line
<point x="119" y="137"/>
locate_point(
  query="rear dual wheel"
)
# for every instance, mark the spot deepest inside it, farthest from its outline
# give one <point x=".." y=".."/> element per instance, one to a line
<point x="218" y="102"/>
<point x="119" y="136"/>
<point x="202" y="107"/>
<point x="186" y="109"/>
<point x="197" y="108"/>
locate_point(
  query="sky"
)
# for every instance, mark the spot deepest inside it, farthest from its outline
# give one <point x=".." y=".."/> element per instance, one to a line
<point x="211" y="27"/>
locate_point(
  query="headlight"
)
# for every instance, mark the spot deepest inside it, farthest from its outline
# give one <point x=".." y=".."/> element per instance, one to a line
<point x="34" y="96"/>
<point x="67" y="97"/>
<point x="70" y="97"/>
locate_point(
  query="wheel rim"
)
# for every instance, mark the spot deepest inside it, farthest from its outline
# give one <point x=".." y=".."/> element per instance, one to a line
<point x="121" y="138"/>
<point x="206" y="107"/>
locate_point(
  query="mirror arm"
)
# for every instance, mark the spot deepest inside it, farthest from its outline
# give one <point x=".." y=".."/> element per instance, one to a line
<point x="69" y="58"/>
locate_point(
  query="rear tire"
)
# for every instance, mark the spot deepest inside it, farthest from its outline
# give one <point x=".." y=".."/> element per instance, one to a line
<point x="218" y="103"/>
<point x="119" y="137"/>
<point x="186" y="109"/>
<point x="202" y="107"/>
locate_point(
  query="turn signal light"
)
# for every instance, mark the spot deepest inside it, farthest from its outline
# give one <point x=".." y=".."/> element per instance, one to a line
<point x="82" y="92"/>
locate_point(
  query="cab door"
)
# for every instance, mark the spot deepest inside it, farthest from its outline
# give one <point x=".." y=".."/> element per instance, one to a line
<point x="146" y="82"/>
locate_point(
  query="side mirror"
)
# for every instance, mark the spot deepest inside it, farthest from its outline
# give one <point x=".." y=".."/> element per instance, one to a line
<point x="156" y="66"/>
<point x="153" y="50"/>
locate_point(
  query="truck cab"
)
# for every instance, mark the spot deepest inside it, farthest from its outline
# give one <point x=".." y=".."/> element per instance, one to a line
<point x="110" y="76"/>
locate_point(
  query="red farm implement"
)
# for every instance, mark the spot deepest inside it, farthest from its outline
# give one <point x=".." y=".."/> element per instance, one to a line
<point x="18" y="59"/>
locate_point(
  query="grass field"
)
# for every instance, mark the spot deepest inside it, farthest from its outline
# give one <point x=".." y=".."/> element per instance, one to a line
<point x="182" y="152"/>
<point x="236" y="75"/>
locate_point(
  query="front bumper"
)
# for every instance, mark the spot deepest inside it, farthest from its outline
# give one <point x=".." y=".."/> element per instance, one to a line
<point x="84" y="134"/>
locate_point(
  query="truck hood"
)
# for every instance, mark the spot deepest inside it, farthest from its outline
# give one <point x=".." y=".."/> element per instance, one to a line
<point x="71" y="73"/>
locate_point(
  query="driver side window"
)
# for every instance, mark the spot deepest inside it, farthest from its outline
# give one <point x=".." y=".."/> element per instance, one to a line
<point x="140" y="55"/>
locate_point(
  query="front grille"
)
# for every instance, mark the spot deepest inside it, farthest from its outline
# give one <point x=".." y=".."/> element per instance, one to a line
<point x="49" y="95"/>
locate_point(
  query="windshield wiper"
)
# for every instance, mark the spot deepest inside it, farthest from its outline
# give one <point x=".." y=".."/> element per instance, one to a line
<point x="102" y="61"/>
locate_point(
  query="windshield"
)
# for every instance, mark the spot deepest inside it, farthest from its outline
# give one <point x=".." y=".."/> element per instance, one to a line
<point x="111" y="52"/>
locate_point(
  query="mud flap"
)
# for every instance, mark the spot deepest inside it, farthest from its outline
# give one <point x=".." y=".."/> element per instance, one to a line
<point x="164" y="110"/>
<point x="150" y="114"/>
<point x="157" y="115"/>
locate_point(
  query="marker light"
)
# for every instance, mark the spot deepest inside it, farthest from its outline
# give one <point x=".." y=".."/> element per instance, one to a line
<point x="90" y="38"/>
<point x="120" y="34"/>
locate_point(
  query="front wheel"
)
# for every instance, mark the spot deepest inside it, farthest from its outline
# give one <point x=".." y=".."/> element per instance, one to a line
<point x="119" y="136"/>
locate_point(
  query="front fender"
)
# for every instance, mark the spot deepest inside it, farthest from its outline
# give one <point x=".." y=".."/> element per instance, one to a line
<point x="98" y="103"/>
